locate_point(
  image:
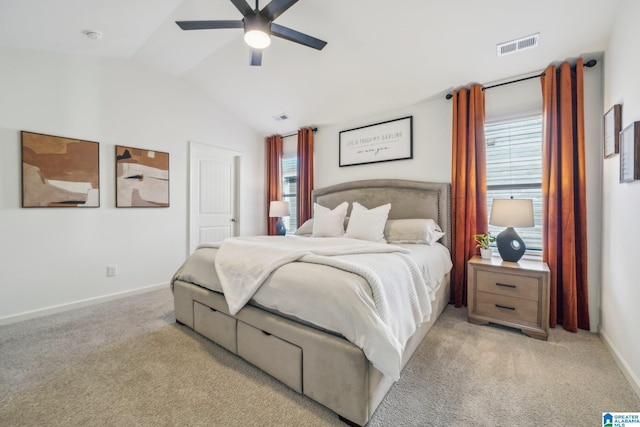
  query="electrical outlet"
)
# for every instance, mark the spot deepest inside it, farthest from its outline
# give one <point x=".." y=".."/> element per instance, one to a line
<point x="112" y="270"/>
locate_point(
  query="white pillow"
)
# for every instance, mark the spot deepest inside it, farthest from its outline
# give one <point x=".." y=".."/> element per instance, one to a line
<point x="368" y="224"/>
<point x="327" y="222"/>
<point x="412" y="231"/>
<point x="306" y="229"/>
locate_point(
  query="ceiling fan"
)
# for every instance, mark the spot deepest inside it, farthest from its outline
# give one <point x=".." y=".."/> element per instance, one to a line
<point x="258" y="27"/>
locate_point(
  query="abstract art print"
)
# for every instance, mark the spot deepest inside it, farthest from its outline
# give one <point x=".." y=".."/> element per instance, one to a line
<point x="142" y="178"/>
<point x="59" y="172"/>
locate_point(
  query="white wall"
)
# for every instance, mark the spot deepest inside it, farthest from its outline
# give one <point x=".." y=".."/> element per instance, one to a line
<point x="621" y="202"/>
<point x="53" y="257"/>
<point x="432" y="122"/>
<point x="431" y="148"/>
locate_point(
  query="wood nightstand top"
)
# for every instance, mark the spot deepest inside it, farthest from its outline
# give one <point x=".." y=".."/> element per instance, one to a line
<point x="523" y="264"/>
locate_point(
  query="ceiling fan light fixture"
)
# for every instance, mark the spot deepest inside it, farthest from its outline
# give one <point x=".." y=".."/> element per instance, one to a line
<point x="257" y="39"/>
<point x="257" y="31"/>
<point x="258" y="27"/>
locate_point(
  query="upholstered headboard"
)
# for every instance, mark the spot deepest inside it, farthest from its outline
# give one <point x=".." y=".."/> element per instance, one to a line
<point x="409" y="199"/>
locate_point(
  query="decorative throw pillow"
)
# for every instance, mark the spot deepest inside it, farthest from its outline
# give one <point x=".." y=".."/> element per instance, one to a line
<point x="416" y="230"/>
<point x="368" y="224"/>
<point x="327" y="222"/>
<point x="306" y="229"/>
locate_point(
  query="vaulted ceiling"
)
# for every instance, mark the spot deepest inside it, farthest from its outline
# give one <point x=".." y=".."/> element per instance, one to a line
<point x="381" y="55"/>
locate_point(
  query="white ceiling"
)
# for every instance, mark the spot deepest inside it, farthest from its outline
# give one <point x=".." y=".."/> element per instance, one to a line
<point x="380" y="56"/>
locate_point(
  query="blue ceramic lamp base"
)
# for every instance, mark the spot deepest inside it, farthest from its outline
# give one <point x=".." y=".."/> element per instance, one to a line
<point x="280" y="228"/>
<point x="510" y="246"/>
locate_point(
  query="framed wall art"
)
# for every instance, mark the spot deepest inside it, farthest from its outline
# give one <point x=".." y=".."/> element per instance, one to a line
<point x="380" y="142"/>
<point x="630" y="153"/>
<point x="612" y="128"/>
<point x="142" y="178"/>
<point x="59" y="172"/>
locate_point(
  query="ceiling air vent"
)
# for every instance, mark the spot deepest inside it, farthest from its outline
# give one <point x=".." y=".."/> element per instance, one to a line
<point x="280" y="117"/>
<point x="518" y="45"/>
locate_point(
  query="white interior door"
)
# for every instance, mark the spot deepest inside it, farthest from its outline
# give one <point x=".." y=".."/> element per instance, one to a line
<point x="213" y="194"/>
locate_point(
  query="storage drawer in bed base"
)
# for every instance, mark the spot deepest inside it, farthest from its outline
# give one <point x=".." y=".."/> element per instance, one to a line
<point x="331" y="370"/>
<point x="251" y="344"/>
<point x="334" y="372"/>
<point x="283" y="360"/>
<point x="216" y="326"/>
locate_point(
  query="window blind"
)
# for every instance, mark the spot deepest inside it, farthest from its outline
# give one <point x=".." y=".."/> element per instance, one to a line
<point x="514" y="169"/>
<point x="290" y="188"/>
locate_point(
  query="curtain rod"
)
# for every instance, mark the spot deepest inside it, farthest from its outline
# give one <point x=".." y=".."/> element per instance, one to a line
<point x="295" y="133"/>
<point x="590" y="63"/>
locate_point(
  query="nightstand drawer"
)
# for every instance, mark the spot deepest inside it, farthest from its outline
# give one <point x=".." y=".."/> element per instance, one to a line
<point x="508" y="284"/>
<point x="510" y="294"/>
<point x="507" y="308"/>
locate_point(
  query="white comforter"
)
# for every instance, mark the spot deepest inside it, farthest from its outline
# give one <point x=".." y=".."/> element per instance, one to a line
<point x="385" y="299"/>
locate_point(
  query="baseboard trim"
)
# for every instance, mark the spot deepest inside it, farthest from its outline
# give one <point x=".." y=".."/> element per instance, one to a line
<point x="622" y="364"/>
<point x="78" y="304"/>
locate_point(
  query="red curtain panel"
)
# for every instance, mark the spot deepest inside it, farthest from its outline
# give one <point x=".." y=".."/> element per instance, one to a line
<point x="274" y="177"/>
<point x="305" y="174"/>
<point x="468" y="185"/>
<point x="564" y="214"/>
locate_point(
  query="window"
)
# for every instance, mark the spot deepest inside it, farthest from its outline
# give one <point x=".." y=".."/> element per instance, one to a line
<point x="514" y="169"/>
<point x="290" y="181"/>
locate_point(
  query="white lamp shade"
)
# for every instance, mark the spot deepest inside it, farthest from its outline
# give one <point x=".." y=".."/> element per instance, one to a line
<point x="278" y="209"/>
<point x="512" y="213"/>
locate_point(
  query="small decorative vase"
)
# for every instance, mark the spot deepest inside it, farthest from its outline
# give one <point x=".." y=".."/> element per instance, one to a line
<point x="486" y="253"/>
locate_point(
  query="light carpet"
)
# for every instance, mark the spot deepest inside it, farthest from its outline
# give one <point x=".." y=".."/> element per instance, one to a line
<point x="127" y="363"/>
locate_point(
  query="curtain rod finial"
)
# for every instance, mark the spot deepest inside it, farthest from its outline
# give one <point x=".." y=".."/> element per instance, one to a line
<point x="590" y="63"/>
<point x="449" y="96"/>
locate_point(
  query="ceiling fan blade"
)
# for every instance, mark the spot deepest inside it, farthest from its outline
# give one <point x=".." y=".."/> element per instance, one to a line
<point x="256" y="57"/>
<point x="276" y="8"/>
<point x="209" y="25"/>
<point x="295" y="36"/>
<point x="243" y="7"/>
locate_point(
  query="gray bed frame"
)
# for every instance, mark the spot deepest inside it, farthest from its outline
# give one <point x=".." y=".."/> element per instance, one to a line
<point x="325" y="367"/>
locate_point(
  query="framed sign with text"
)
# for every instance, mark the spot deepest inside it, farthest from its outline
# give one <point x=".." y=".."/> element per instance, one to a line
<point x="380" y="142"/>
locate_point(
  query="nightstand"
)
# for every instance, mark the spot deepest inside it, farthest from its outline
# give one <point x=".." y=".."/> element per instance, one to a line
<point x="514" y="294"/>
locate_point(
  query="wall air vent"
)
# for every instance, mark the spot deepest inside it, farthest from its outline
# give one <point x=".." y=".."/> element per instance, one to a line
<point x="514" y="46"/>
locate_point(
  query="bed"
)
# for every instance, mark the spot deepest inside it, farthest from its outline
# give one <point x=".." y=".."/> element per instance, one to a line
<point x="316" y="361"/>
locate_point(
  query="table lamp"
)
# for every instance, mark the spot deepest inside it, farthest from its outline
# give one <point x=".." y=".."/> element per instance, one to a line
<point x="278" y="209"/>
<point x="511" y="213"/>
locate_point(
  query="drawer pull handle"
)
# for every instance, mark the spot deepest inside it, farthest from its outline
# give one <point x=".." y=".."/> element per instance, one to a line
<point x="504" y="285"/>
<point x="266" y="333"/>
<point x="505" y="307"/>
<point x="213" y="309"/>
